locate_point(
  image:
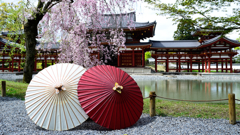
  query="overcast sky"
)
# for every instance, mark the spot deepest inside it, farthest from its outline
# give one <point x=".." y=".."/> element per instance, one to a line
<point x="164" y="29"/>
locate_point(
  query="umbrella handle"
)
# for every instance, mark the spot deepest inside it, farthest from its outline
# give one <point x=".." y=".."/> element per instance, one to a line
<point x="59" y="88"/>
<point x="118" y="88"/>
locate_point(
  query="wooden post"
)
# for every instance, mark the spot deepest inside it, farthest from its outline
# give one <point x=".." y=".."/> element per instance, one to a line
<point x="155" y="63"/>
<point x="231" y="64"/>
<point x="143" y="58"/>
<point x="209" y="64"/>
<point x="226" y="65"/>
<point x="232" y="109"/>
<point x="133" y="57"/>
<point x="3" y="88"/>
<point x="152" y="110"/>
<point x="222" y="65"/>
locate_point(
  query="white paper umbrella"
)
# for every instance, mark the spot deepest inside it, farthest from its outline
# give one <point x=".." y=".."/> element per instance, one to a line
<point x="51" y="98"/>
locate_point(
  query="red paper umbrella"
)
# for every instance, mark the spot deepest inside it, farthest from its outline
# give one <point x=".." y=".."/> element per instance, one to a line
<point x="110" y="97"/>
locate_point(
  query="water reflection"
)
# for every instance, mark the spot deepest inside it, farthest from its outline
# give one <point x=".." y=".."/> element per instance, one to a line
<point x="191" y="89"/>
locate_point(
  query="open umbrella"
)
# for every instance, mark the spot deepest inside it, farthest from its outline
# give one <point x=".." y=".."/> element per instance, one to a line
<point x="110" y="97"/>
<point x="51" y="98"/>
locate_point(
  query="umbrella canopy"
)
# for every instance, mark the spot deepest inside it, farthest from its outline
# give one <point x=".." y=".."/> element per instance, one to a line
<point x="110" y="97"/>
<point x="51" y="98"/>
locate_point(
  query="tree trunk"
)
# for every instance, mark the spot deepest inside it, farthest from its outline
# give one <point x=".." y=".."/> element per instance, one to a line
<point x="30" y="31"/>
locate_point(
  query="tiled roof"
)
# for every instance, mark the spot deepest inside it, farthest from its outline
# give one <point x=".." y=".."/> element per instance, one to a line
<point x="123" y="20"/>
<point x="175" y="44"/>
<point x="10" y="43"/>
<point x="217" y="38"/>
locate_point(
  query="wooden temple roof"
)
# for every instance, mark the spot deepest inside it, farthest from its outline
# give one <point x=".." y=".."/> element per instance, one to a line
<point x="193" y="44"/>
<point x="175" y="44"/>
<point x="217" y="38"/>
<point x="9" y="43"/>
<point x="124" y="21"/>
<point x="139" y="45"/>
<point x="20" y="32"/>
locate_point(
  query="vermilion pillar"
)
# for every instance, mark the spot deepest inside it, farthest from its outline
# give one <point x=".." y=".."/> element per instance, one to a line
<point x="143" y="58"/>
<point x="202" y="65"/>
<point x="217" y="65"/>
<point x="167" y="65"/>
<point x="133" y="57"/>
<point x="3" y="60"/>
<point x="222" y="64"/>
<point x="19" y="63"/>
<point x="205" y="70"/>
<point x="226" y="65"/>
<point x="12" y="63"/>
<point x="199" y="66"/>
<point x="190" y="63"/>
<point x="179" y="64"/>
<point x="209" y="64"/>
<point x="231" y="64"/>
<point x="155" y="63"/>
<point x="45" y="60"/>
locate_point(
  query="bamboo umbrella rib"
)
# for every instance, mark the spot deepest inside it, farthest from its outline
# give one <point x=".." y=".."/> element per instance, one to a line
<point x="43" y="92"/>
<point x="99" y="75"/>
<point x="110" y="99"/>
<point x="74" y="105"/>
<point x="39" y="82"/>
<point x="65" y="72"/>
<point x="44" y="109"/>
<point x="99" y="99"/>
<point x="54" y="96"/>
<point x="51" y="99"/>
<point x="133" y="113"/>
<point x="50" y="69"/>
<point x="136" y="104"/>
<point x="94" y="77"/>
<point x="59" y="111"/>
<point x="67" y="78"/>
<point x="68" y="110"/>
<point x="51" y="76"/>
<point x="36" y="105"/>
<point x="106" y="74"/>
<point x="29" y="90"/>
<point x="63" y="105"/>
<point x="72" y="109"/>
<point x="75" y="79"/>
<point x="103" y="105"/>
<point x="43" y="95"/>
<point x="53" y="81"/>
<point x="111" y="108"/>
<point x="46" y="80"/>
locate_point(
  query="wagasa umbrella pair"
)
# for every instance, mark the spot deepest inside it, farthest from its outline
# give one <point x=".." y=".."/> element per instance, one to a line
<point x="63" y="96"/>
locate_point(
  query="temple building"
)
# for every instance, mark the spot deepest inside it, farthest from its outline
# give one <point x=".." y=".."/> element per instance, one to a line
<point x="211" y="48"/>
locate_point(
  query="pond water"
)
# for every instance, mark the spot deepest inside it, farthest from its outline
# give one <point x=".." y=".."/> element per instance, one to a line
<point x="191" y="89"/>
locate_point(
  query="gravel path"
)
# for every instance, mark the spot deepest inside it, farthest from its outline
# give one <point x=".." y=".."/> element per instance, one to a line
<point x="14" y="120"/>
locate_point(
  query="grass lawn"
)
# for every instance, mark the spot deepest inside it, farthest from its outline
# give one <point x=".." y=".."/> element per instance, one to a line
<point x="15" y="89"/>
<point x="189" y="109"/>
<point x="163" y="107"/>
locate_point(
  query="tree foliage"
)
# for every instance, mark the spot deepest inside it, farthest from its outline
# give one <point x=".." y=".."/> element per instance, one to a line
<point x="184" y="30"/>
<point x="147" y="55"/>
<point x="203" y="12"/>
<point x="12" y="20"/>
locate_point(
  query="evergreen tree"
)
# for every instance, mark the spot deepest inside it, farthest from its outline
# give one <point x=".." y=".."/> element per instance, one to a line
<point x="184" y="30"/>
